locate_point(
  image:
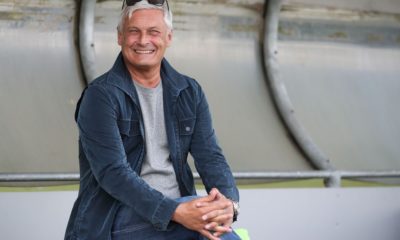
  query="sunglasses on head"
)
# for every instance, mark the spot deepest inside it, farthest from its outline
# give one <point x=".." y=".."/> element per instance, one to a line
<point x="153" y="2"/>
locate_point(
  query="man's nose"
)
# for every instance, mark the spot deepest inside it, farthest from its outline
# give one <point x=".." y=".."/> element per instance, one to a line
<point x="143" y="39"/>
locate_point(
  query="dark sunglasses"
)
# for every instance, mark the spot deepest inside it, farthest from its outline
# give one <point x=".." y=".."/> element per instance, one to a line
<point x="153" y="2"/>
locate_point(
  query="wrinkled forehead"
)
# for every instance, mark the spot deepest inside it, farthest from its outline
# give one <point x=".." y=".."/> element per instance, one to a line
<point x="148" y="13"/>
<point x="128" y="11"/>
<point x="146" y="17"/>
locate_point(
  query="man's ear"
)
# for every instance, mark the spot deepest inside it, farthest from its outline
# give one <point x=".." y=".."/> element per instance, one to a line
<point x="169" y="38"/>
<point x="120" y="37"/>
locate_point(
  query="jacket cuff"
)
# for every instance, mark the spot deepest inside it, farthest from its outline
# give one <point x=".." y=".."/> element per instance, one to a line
<point x="163" y="213"/>
<point x="230" y="193"/>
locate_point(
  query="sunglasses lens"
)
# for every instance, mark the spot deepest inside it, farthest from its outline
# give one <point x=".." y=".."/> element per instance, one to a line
<point x="154" y="2"/>
<point x="131" y="2"/>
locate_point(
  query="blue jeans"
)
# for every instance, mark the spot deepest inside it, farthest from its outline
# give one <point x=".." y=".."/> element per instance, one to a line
<point x="135" y="227"/>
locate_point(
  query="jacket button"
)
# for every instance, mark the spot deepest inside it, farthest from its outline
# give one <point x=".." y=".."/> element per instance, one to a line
<point x="187" y="129"/>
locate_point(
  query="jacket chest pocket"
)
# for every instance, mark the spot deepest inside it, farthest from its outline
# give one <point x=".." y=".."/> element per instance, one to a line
<point x="186" y="130"/>
<point x="186" y="126"/>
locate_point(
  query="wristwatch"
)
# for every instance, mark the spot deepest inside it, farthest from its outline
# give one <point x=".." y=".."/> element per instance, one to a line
<point x="236" y="210"/>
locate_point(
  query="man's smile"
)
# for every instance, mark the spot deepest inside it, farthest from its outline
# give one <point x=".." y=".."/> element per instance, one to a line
<point x="144" y="51"/>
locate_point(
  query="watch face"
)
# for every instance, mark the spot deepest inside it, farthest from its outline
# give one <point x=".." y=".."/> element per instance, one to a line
<point x="235" y="210"/>
<point x="236" y="207"/>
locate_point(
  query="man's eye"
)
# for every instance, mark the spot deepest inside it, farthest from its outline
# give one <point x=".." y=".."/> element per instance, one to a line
<point x="154" y="32"/>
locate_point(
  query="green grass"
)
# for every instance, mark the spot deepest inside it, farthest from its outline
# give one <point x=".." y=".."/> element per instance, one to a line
<point x="73" y="187"/>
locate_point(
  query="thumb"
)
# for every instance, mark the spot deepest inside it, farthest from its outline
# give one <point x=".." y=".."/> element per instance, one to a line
<point x="212" y="195"/>
<point x="215" y="194"/>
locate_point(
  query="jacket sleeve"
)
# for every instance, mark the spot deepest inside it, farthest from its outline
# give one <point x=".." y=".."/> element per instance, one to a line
<point x="103" y="147"/>
<point x="209" y="159"/>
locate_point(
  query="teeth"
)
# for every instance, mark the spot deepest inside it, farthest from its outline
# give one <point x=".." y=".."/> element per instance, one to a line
<point x="144" y="51"/>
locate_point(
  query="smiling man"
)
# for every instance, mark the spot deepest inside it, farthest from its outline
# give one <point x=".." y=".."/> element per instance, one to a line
<point x="137" y="124"/>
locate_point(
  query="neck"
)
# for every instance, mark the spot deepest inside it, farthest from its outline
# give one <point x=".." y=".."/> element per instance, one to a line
<point x="148" y="78"/>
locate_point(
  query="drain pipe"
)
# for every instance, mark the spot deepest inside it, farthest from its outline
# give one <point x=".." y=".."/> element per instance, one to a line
<point x="280" y="95"/>
<point x="86" y="40"/>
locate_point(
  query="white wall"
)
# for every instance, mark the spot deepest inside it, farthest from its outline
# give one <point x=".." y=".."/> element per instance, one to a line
<point x="279" y="214"/>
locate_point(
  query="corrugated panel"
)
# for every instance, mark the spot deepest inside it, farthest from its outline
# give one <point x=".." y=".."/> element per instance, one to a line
<point x="339" y="60"/>
<point x="39" y="86"/>
<point x="341" y="67"/>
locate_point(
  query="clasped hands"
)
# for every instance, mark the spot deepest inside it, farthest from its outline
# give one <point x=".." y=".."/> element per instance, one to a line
<point x="211" y="215"/>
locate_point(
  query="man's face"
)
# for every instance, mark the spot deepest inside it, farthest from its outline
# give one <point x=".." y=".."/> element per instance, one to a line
<point x="144" y="38"/>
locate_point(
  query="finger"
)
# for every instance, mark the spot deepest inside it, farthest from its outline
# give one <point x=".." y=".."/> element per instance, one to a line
<point x="207" y="198"/>
<point x="220" y="209"/>
<point x="216" y="227"/>
<point x="202" y="201"/>
<point x="214" y="191"/>
<point x="218" y="194"/>
<point x="219" y="230"/>
<point x="212" y="214"/>
<point x="215" y="204"/>
<point x="213" y="194"/>
<point x="209" y="235"/>
<point x="211" y="226"/>
<point x="204" y="204"/>
<point x="218" y="234"/>
<point x="224" y="218"/>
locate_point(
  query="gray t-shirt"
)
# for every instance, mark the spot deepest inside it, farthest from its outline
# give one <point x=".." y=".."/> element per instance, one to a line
<point x="157" y="169"/>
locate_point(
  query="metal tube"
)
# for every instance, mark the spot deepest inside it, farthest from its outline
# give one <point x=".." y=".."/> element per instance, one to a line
<point x="279" y="93"/>
<point x="86" y="41"/>
<point x="38" y="177"/>
<point x="55" y="177"/>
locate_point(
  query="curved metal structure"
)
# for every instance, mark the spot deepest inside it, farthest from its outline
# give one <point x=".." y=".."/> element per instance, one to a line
<point x="86" y="40"/>
<point x="281" y="97"/>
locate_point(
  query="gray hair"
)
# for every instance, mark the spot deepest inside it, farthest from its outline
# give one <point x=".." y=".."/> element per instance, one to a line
<point x="127" y="11"/>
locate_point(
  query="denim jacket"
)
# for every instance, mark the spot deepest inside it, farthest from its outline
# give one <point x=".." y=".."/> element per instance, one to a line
<point x="111" y="151"/>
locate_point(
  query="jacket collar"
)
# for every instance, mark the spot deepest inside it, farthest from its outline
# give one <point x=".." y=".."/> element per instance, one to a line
<point x="119" y="76"/>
